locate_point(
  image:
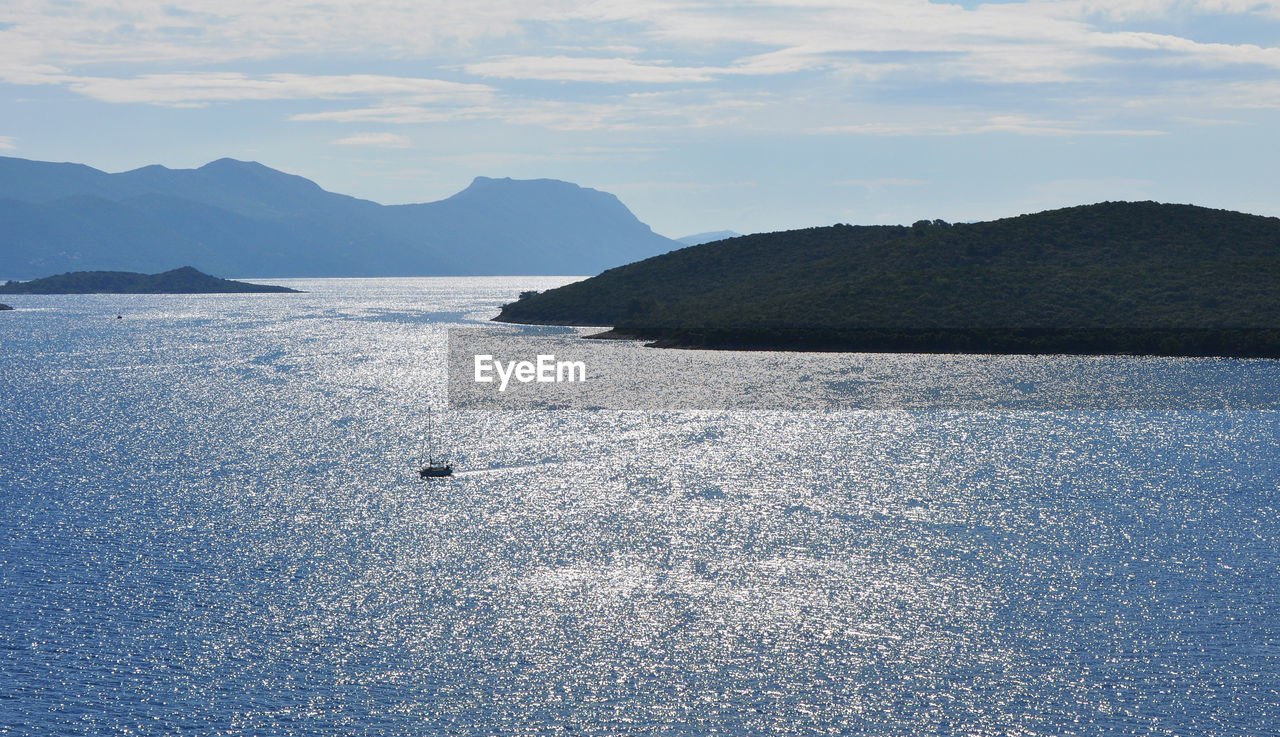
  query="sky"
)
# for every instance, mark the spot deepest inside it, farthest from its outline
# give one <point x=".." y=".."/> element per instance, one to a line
<point x="752" y="116"/>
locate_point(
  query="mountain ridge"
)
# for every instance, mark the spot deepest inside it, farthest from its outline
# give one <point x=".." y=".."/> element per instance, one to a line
<point x="245" y="218"/>
<point x="698" y="239"/>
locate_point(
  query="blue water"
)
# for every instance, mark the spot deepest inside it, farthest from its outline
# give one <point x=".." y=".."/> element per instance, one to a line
<point x="210" y="524"/>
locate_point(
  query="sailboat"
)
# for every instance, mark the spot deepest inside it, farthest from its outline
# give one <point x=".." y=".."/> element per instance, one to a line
<point x="434" y="468"/>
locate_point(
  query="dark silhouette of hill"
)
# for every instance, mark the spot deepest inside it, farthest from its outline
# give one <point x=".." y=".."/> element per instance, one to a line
<point x="185" y="280"/>
<point x="1115" y="277"/>
<point x="243" y="218"/>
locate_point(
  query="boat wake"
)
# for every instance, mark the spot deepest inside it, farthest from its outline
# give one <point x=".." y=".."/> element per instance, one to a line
<point x="503" y="469"/>
<point x="524" y="468"/>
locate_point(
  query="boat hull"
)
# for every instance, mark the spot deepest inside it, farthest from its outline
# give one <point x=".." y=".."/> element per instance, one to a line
<point x="431" y="472"/>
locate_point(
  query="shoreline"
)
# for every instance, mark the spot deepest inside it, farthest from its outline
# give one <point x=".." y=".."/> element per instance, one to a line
<point x="1246" y="343"/>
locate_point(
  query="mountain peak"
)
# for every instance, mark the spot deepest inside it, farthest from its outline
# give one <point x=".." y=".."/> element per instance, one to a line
<point x="508" y="183"/>
<point x="184" y="271"/>
<point x="227" y="162"/>
<point x="541" y="199"/>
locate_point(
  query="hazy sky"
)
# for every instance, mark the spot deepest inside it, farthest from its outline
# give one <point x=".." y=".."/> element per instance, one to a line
<point x="700" y="116"/>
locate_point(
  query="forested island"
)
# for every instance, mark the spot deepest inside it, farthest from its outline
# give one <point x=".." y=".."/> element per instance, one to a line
<point x="185" y="280"/>
<point x="1109" y="278"/>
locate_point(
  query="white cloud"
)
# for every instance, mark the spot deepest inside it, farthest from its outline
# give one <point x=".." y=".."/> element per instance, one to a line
<point x="1121" y="10"/>
<point x="632" y="112"/>
<point x="210" y="87"/>
<point x="380" y="140"/>
<point x="785" y="52"/>
<point x="586" y="69"/>
<point x="1201" y="98"/>
<point x="211" y="31"/>
<point x="397" y="113"/>
<point x="8" y="143"/>
<point x="621" y="70"/>
<point x="993" y="124"/>
<point x="791" y="34"/>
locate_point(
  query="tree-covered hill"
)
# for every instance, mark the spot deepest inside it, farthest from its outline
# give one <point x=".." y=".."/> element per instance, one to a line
<point x="1115" y="277"/>
<point x="185" y="280"/>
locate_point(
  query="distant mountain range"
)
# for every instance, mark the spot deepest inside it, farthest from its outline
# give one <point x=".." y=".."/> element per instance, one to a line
<point x="238" y="218"/>
<point x="698" y="239"/>
<point x="1114" y="277"/>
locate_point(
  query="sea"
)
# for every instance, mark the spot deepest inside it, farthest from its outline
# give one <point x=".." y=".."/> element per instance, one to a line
<point x="211" y="524"/>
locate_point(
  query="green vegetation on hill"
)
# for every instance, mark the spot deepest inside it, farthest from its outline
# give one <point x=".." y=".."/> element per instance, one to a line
<point x="185" y="280"/>
<point x="1115" y="277"/>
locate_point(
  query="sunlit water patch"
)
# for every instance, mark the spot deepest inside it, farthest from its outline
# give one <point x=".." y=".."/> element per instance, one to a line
<point x="211" y="524"/>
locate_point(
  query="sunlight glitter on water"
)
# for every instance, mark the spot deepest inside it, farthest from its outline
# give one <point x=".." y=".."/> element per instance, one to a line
<point x="212" y="525"/>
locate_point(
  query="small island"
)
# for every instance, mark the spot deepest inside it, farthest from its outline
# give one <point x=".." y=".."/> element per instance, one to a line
<point x="185" y="280"/>
<point x="1140" y="278"/>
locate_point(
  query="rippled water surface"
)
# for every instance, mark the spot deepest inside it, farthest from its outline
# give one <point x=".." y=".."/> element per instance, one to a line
<point x="211" y="524"/>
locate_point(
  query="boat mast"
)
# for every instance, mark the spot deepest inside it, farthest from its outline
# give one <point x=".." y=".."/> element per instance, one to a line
<point x="431" y="439"/>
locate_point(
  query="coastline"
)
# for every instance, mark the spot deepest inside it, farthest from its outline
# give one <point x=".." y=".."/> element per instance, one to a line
<point x="1166" y="342"/>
